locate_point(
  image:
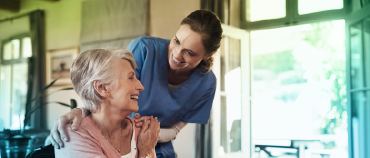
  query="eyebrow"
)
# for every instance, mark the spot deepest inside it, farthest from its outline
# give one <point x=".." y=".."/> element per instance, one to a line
<point x="180" y="43"/>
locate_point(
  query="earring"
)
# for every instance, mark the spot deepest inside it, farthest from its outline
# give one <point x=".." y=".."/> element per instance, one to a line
<point x="107" y="95"/>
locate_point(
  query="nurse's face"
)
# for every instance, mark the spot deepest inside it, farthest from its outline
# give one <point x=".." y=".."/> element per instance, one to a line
<point x="128" y="87"/>
<point x="185" y="50"/>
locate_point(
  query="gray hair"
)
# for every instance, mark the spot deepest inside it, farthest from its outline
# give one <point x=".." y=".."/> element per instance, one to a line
<point x="95" y="65"/>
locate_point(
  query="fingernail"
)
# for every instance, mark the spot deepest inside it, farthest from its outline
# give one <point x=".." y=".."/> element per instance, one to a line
<point x="65" y="139"/>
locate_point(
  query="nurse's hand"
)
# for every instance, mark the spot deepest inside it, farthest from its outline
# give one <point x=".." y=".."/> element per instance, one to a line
<point x="140" y="120"/>
<point x="148" y="136"/>
<point x="59" y="132"/>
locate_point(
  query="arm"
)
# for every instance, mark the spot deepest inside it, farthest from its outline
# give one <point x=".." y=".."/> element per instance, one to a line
<point x="59" y="130"/>
<point x="168" y="134"/>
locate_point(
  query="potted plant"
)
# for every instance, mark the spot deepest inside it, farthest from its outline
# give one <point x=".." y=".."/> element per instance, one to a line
<point x="17" y="144"/>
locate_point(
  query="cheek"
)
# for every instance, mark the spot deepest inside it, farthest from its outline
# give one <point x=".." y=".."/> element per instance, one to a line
<point x="193" y="61"/>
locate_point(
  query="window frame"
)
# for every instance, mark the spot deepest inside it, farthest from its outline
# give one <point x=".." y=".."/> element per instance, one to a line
<point x="292" y="16"/>
<point x="21" y="58"/>
<point x="352" y="19"/>
<point x="246" y="147"/>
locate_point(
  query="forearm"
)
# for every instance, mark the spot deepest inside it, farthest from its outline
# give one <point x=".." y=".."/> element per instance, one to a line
<point x="168" y="134"/>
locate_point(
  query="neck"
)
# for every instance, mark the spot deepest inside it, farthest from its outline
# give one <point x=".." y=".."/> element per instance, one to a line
<point x="109" y="119"/>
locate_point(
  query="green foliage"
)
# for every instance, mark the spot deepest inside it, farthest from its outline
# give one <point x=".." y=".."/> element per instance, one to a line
<point x="30" y="109"/>
<point x="333" y="68"/>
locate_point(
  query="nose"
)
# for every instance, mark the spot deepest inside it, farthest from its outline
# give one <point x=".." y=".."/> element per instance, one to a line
<point x="139" y="86"/>
<point x="177" y="54"/>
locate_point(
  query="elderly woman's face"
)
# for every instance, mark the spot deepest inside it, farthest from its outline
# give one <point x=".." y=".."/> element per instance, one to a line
<point x="128" y="87"/>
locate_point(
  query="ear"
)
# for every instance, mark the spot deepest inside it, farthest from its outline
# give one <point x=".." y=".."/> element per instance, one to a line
<point x="209" y="55"/>
<point x="102" y="89"/>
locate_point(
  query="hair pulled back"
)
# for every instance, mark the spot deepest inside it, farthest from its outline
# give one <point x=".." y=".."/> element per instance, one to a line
<point x="208" y="25"/>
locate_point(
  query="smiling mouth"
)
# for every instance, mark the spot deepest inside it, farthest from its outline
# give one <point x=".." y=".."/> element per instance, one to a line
<point x="176" y="61"/>
<point x="134" y="97"/>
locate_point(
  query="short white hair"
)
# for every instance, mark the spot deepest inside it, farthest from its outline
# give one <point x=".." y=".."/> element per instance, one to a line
<point x="96" y="65"/>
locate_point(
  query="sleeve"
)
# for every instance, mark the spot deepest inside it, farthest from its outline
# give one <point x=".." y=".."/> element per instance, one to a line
<point x="168" y="134"/>
<point x="202" y="110"/>
<point x="79" y="146"/>
<point x="139" y="51"/>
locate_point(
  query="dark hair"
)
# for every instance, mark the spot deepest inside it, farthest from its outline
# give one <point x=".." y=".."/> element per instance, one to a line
<point x="208" y="25"/>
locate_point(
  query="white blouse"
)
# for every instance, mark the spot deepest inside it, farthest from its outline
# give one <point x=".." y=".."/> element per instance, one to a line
<point x="132" y="153"/>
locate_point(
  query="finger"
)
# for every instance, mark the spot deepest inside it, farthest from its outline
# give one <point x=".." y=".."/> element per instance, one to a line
<point x="62" y="129"/>
<point x="139" y="119"/>
<point x="56" y="134"/>
<point x="145" y="126"/>
<point x="139" y="124"/>
<point x="137" y="115"/>
<point x="76" y="123"/>
<point x="153" y="123"/>
<point x="55" y="144"/>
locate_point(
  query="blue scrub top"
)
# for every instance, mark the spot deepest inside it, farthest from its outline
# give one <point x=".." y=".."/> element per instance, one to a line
<point x="191" y="103"/>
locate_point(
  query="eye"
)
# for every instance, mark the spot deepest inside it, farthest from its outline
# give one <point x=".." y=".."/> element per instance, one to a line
<point x="189" y="52"/>
<point x="177" y="41"/>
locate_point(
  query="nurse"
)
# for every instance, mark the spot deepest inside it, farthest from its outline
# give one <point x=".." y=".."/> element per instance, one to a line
<point x="177" y="76"/>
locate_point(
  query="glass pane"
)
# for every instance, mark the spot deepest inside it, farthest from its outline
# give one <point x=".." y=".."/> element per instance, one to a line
<point x="298" y="88"/>
<point x="13" y="94"/>
<point x="19" y="93"/>
<point x="311" y="6"/>
<point x="26" y="47"/>
<point x="360" y="118"/>
<point x="11" y="50"/>
<point x="356" y="56"/>
<point x="366" y="27"/>
<point x="231" y="96"/>
<point x="5" y="93"/>
<point x="265" y="9"/>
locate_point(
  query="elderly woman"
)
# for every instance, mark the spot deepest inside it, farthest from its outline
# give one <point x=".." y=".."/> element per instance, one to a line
<point x="106" y="82"/>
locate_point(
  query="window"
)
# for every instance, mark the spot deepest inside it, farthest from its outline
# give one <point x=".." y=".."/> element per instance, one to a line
<point x="13" y="80"/>
<point x="264" y="14"/>
<point x="298" y="89"/>
<point x="358" y="65"/>
<point x="257" y="10"/>
<point x="231" y="133"/>
<point x="311" y="6"/>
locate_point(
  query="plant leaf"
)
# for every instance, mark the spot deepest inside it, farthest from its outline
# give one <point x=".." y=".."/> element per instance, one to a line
<point x="45" y="88"/>
<point x="73" y="103"/>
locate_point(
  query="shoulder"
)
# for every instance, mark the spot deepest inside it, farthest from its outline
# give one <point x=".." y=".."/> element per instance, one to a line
<point x="84" y="142"/>
<point x="146" y="40"/>
<point x="87" y="129"/>
<point x="210" y="79"/>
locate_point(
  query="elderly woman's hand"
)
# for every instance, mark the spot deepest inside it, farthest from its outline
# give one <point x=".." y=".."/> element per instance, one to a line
<point x="59" y="130"/>
<point x="140" y="120"/>
<point x="148" y="136"/>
